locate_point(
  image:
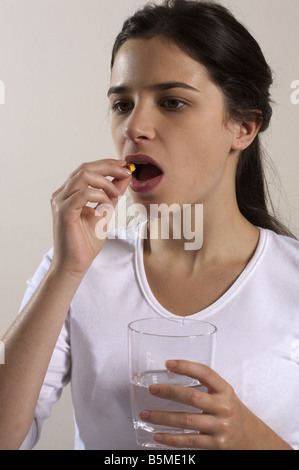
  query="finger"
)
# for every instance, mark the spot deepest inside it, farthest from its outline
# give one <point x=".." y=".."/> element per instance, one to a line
<point x="191" y="421"/>
<point x="88" y="178"/>
<point x="204" y="374"/>
<point x="185" y="441"/>
<point x="85" y="177"/>
<point x="121" y="185"/>
<point x="191" y="396"/>
<point x="82" y="197"/>
<point x="105" y="167"/>
<point x="94" y="174"/>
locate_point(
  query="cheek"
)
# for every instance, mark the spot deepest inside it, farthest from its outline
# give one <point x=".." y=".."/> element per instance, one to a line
<point x="211" y="143"/>
<point x="197" y="148"/>
<point x="204" y="155"/>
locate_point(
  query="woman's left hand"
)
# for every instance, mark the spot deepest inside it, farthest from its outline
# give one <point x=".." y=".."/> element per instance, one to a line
<point x="223" y="422"/>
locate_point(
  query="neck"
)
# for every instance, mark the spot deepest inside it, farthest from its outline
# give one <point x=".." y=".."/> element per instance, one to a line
<point x="199" y="236"/>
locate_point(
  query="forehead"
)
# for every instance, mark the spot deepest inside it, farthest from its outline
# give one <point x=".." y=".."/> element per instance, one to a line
<point x="155" y="60"/>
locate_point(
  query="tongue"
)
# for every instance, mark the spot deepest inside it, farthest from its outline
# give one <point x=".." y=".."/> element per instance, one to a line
<point x="148" y="172"/>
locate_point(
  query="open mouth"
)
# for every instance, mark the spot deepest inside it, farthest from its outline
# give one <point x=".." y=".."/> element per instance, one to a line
<point x="147" y="174"/>
<point x="145" y="171"/>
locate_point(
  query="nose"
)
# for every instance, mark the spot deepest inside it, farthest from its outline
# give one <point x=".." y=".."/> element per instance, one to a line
<point x="140" y="124"/>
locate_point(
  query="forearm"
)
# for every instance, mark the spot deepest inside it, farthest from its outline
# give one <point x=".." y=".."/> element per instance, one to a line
<point x="30" y="341"/>
<point x="29" y="344"/>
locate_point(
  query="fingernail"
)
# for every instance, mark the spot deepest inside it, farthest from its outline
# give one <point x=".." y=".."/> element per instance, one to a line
<point x="128" y="172"/>
<point x="144" y="414"/>
<point x="171" y="364"/>
<point x="158" y="437"/>
<point x="154" y="388"/>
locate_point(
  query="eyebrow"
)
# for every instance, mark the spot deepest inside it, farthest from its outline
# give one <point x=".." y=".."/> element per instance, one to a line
<point x="118" y="90"/>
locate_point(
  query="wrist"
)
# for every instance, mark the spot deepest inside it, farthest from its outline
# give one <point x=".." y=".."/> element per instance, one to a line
<point x="264" y="438"/>
<point x="66" y="279"/>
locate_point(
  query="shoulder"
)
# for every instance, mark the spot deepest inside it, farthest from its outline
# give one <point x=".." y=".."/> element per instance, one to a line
<point x="284" y="247"/>
<point x="281" y="259"/>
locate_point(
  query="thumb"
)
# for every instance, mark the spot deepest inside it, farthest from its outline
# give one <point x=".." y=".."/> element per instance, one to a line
<point x="121" y="185"/>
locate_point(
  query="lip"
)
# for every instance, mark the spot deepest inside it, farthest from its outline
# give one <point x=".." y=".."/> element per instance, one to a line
<point x="144" y="186"/>
<point x="142" y="158"/>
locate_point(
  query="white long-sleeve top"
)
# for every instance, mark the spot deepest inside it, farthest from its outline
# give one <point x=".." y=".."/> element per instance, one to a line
<point x="257" y="348"/>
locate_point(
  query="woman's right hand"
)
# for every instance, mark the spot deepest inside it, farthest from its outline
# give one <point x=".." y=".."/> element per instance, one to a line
<point x="76" y="243"/>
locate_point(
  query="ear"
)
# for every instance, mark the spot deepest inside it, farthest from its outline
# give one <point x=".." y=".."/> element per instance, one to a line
<point x="244" y="134"/>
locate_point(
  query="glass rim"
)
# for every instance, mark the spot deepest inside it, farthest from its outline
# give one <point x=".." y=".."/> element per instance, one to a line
<point x="184" y="319"/>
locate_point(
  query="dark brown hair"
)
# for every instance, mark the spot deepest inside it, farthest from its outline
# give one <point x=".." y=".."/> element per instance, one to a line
<point x="210" y="34"/>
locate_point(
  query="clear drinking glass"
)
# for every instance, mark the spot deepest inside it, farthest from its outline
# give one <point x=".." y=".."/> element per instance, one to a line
<point x="153" y="341"/>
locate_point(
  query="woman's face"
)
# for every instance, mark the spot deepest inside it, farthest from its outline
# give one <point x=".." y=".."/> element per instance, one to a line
<point x="166" y="110"/>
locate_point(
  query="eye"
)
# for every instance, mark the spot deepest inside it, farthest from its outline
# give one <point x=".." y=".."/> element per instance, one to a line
<point x="172" y="104"/>
<point x="122" y="107"/>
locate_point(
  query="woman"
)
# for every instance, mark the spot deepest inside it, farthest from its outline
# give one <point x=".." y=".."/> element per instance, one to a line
<point x="189" y="96"/>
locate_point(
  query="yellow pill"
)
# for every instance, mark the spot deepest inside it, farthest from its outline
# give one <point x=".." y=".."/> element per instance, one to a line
<point x="130" y="167"/>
